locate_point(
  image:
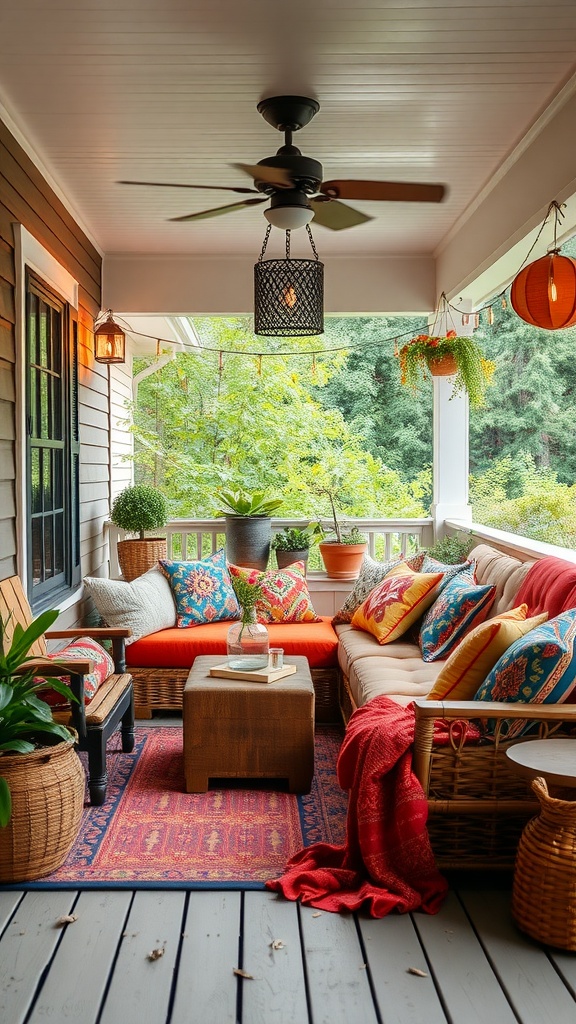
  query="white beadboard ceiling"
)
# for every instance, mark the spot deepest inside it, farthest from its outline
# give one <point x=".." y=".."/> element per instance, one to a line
<point x="409" y="90"/>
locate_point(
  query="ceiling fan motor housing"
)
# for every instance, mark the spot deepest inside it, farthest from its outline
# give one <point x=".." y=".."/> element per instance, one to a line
<point x="305" y="172"/>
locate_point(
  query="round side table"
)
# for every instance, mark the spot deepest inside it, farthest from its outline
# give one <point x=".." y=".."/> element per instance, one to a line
<point x="544" y="887"/>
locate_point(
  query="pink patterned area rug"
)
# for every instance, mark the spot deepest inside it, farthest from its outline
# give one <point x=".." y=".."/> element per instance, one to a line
<point x="152" y="834"/>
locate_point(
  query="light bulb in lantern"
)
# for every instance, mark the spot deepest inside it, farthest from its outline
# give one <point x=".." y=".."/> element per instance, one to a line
<point x="289" y="297"/>
<point x="552" y="290"/>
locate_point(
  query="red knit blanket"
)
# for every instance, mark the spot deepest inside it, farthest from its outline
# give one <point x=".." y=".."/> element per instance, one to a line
<point x="386" y="862"/>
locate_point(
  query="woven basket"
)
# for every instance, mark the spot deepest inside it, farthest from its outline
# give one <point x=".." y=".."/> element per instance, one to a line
<point x="442" y="366"/>
<point x="544" y="889"/>
<point x="47" y="788"/>
<point x="137" y="556"/>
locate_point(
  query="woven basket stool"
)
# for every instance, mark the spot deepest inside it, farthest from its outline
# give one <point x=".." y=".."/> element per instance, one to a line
<point x="544" y="888"/>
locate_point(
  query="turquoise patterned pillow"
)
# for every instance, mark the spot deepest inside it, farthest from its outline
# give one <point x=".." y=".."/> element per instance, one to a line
<point x="203" y="591"/>
<point x="461" y="605"/>
<point x="539" y="668"/>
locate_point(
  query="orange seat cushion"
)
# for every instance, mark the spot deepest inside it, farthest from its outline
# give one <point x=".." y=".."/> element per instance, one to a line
<point x="177" y="647"/>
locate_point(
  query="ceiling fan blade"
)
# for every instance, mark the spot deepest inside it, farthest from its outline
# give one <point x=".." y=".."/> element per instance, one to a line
<point x="277" y="176"/>
<point x="218" y="210"/>
<point x="390" y="191"/>
<point x="336" y="215"/>
<point x="175" y="184"/>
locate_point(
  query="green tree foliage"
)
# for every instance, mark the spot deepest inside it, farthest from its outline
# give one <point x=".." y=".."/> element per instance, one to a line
<point x="394" y="424"/>
<point x="530" y="409"/>
<point x="542" y="508"/>
<point x="204" y="422"/>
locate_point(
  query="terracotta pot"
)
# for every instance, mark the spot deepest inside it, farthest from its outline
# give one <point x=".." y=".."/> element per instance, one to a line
<point x="342" y="561"/>
<point x="47" y="788"/>
<point x="442" y="366"/>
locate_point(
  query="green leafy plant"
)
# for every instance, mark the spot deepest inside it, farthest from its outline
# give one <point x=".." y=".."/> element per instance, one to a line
<point x="26" y="721"/>
<point x="450" y="550"/>
<point x="473" y="372"/>
<point x="139" y="508"/>
<point x="341" y="531"/>
<point x="246" y="503"/>
<point x="295" y="539"/>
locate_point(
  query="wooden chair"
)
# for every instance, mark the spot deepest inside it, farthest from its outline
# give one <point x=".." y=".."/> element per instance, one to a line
<point x="112" y="705"/>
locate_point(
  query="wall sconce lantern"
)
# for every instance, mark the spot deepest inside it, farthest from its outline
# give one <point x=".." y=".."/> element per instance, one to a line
<point x="109" y="340"/>
<point x="288" y="294"/>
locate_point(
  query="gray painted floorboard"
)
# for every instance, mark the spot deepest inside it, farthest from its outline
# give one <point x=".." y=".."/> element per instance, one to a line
<point x="325" y="969"/>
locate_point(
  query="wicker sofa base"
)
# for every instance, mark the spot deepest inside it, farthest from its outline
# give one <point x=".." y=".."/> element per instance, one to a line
<point x="161" y="689"/>
<point x="477" y="804"/>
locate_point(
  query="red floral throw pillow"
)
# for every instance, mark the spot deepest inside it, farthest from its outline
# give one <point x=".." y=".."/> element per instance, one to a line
<point x="84" y="647"/>
<point x="285" y="596"/>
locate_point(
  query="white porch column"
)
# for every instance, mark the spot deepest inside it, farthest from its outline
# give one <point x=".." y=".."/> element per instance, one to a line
<point x="450" y="436"/>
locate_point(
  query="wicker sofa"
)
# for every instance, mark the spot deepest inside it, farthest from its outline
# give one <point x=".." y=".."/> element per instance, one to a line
<point x="477" y="805"/>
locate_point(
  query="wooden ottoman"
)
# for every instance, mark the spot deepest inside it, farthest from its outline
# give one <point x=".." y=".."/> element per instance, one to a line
<point x="242" y="729"/>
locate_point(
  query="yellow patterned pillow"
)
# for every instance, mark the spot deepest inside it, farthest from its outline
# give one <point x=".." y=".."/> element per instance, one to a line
<point x="395" y="604"/>
<point x="476" y="655"/>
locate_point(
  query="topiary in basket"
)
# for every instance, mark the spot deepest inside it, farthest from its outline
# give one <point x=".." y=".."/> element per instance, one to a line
<point x="135" y="510"/>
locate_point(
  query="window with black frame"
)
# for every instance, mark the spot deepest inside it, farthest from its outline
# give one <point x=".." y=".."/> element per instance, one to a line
<point x="52" y="448"/>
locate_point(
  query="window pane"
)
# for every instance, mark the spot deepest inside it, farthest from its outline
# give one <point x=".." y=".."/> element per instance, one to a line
<point x="36" y="488"/>
<point x="57" y="478"/>
<point x="37" y="559"/>
<point x="44" y="410"/>
<point x="44" y="329"/>
<point x="58" y="543"/>
<point x="48" y="547"/>
<point x="47" y="480"/>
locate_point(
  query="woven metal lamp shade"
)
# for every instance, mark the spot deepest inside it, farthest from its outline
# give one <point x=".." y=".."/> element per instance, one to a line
<point x="289" y="298"/>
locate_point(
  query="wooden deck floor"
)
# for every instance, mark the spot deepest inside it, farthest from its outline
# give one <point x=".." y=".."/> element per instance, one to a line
<point x="326" y="969"/>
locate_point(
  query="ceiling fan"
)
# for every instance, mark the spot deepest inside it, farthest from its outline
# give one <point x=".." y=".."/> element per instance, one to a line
<point x="293" y="183"/>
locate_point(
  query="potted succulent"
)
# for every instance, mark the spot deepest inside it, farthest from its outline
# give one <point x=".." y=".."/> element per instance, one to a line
<point x="135" y="510"/>
<point x="445" y="356"/>
<point x="42" y="781"/>
<point x="293" y="544"/>
<point x="248" y="526"/>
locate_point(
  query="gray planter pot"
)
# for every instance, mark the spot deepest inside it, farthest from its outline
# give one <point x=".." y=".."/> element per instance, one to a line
<point x="248" y="540"/>
<point x="286" y="558"/>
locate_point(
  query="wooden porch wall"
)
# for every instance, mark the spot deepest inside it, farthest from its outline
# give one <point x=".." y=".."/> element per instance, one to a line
<point x="26" y="198"/>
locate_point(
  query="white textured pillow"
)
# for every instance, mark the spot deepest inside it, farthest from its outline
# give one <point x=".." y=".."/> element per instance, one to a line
<point x="145" y="605"/>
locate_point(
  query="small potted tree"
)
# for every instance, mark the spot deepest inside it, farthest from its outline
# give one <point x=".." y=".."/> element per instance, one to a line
<point x="135" y="510"/>
<point x="248" y="526"/>
<point x="342" y="547"/>
<point x="293" y="544"/>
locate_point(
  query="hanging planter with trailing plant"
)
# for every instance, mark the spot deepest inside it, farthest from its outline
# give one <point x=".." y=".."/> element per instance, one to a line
<point x="447" y="355"/>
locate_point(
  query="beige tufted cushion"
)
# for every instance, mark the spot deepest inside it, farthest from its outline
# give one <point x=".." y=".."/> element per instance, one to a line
<point x="505" y="572"/>
<point x="403" y="677"/>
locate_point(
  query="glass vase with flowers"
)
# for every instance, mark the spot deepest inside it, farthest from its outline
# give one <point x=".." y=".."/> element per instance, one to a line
<point x="248" y="641"/>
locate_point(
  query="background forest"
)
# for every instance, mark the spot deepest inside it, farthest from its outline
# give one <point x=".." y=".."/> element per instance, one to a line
<point x="288" y="421"/>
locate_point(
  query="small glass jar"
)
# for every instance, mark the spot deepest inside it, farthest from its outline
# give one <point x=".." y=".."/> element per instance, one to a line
<point x="247" y="644"/>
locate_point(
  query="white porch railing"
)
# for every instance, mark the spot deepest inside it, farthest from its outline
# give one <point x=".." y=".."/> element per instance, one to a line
<point x="511" y="543"/>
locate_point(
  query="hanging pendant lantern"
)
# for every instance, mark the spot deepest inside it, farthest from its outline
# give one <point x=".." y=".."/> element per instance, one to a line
<point x="288" y="294"/>
<point x="109" y="341"/>
<point x="544" y="293"/>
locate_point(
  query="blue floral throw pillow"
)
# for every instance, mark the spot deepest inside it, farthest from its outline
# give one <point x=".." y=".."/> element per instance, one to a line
<point x="460" y="607"/>
<point x="203" y="591"/>
<point x="539" y="668"/>
<point x="430" y="564"/>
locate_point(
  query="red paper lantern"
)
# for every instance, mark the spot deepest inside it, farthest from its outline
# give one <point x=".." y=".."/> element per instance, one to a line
<point x="544" y="293"/>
